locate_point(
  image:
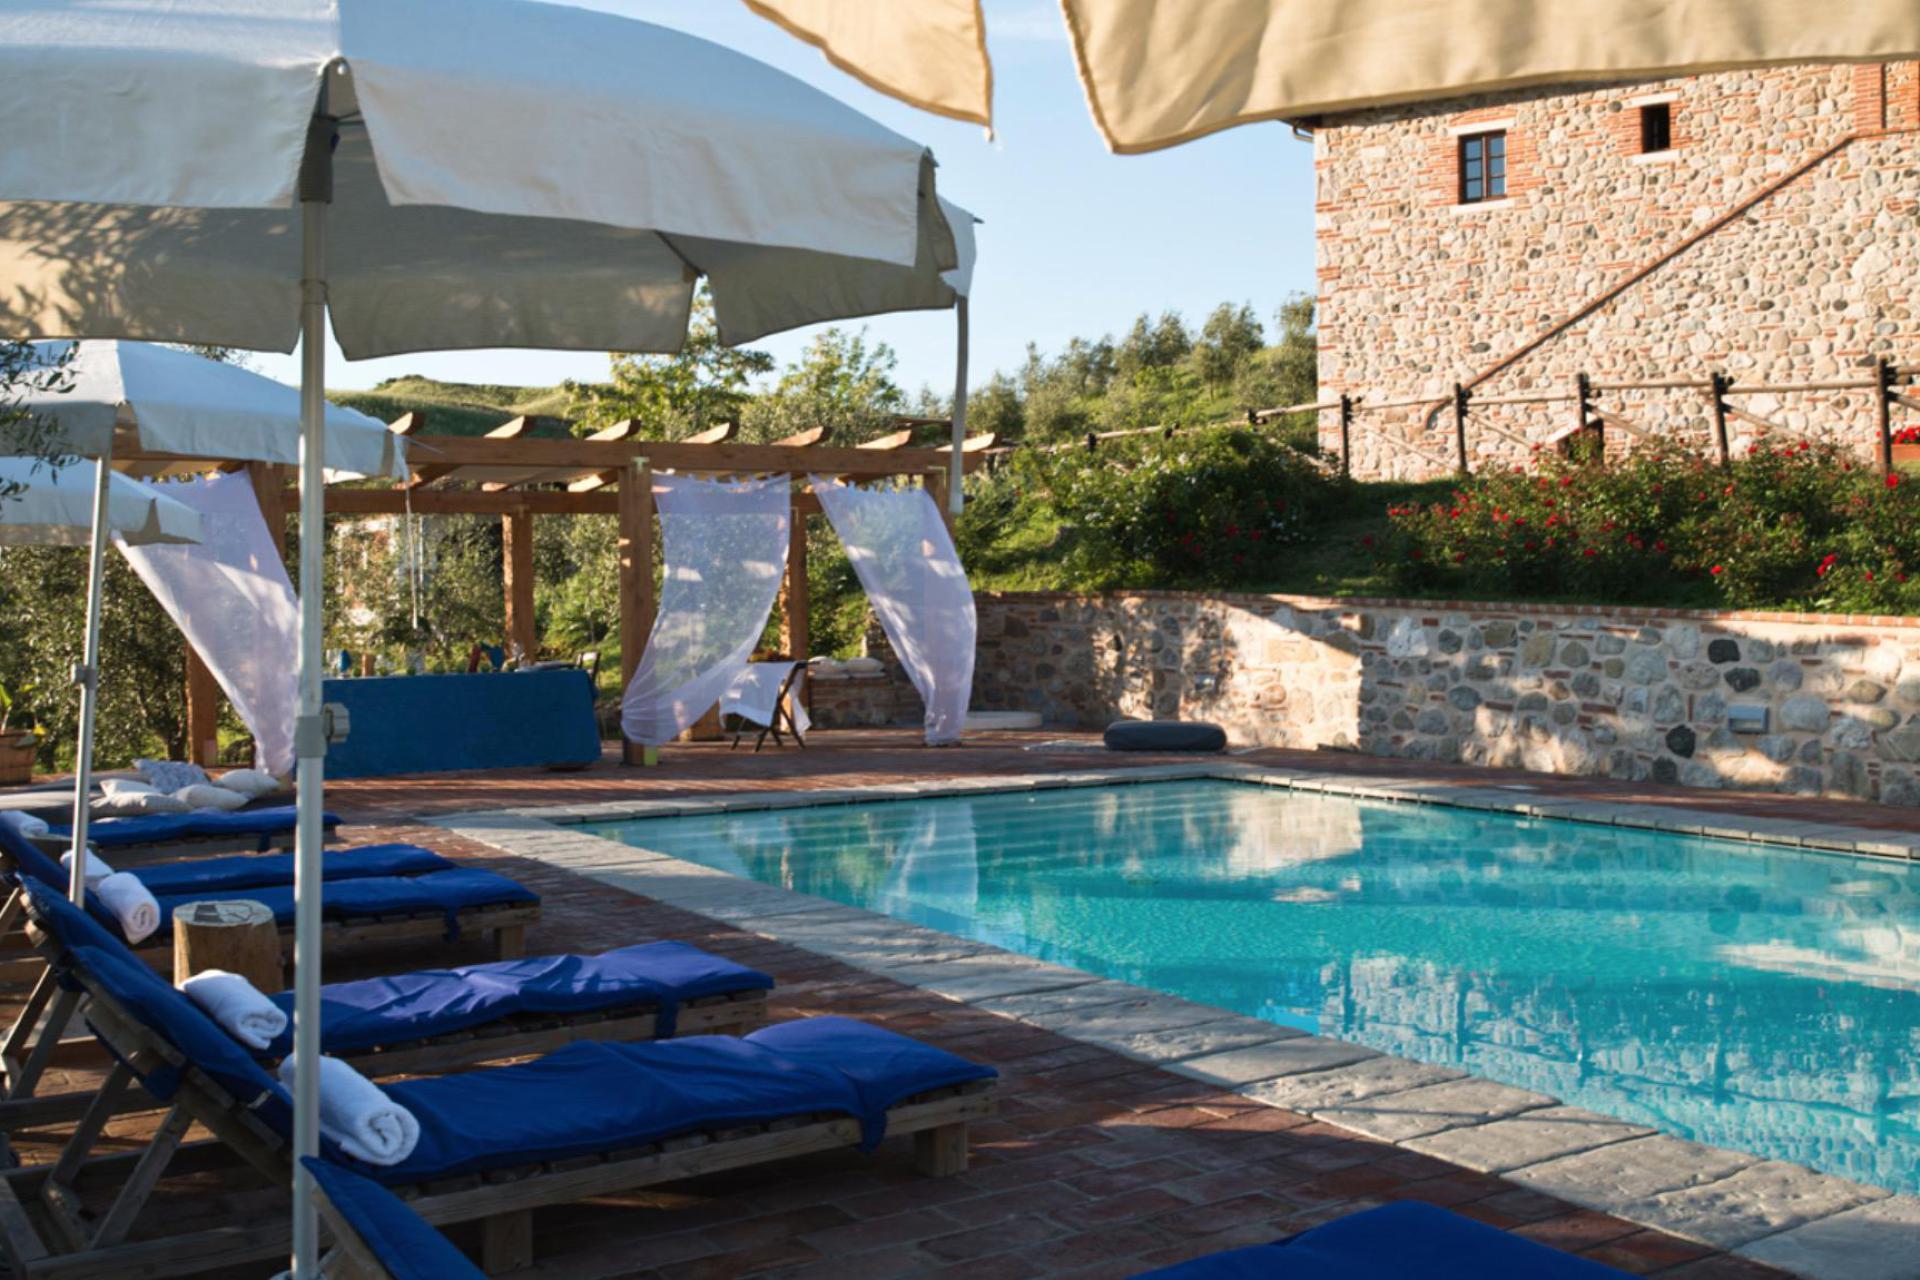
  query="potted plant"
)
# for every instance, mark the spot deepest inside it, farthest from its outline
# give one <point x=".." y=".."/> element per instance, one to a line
<point x="17" y="746"/>
<point x="1906" y="448"/>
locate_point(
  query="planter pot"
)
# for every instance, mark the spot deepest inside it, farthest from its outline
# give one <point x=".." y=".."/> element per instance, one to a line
<point x="1906" y="457"/>
<point x="16" y="757"/>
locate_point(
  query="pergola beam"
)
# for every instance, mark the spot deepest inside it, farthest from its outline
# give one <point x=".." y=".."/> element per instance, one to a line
<point x="469" y="502"/>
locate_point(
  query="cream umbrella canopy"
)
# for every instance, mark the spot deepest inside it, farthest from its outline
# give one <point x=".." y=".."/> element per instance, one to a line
<point x="466" y="173"/>
<point x="1161" y="72"/>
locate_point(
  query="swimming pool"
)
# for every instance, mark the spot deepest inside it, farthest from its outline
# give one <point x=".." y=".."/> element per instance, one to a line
<point x="1757" y="998"/>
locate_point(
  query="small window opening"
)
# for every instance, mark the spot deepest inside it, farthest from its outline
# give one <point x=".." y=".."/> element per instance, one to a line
<point x="1483" y="167"/>
<point x="1656" y="127"/>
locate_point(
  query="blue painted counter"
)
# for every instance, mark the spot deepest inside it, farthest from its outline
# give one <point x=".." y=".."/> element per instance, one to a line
<point x="428" y="724"/>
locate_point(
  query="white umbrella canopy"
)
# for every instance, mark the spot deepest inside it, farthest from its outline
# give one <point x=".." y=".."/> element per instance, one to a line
<point x="175" y="402"/>
<point x="468" y="173"/>
<point x="53" y="507"/>
<point x="595" y="166"/>
<point x="179" y="402"/>
<point x="1161" y="72"/>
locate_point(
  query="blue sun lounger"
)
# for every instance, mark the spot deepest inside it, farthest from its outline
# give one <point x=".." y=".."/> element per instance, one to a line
<point x="364" y="884"/>
<point x="1406" y="1240"/>
<point x="440" y="1019"/>
<point x="240" y="829"/>
<point x="592" y="1119"/>
<point x="381" y="1238"/>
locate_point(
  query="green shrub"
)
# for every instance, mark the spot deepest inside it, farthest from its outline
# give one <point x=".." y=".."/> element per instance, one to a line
<point x="1211" y="509"/>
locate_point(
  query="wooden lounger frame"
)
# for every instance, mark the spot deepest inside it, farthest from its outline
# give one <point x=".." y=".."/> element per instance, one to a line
<point x="79" y="1247"/>
<point x="26" y="1054"/>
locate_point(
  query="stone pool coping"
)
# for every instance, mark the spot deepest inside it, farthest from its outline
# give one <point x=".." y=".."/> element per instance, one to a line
<point x="1773" y="1211"/>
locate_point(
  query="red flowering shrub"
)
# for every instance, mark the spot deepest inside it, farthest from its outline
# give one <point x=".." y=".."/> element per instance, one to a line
<point x="1794" y="525"/>
<point x="1563" y="528"/>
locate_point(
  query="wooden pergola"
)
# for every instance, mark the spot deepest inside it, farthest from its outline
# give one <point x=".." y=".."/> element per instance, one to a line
<point x="517" y="475"/>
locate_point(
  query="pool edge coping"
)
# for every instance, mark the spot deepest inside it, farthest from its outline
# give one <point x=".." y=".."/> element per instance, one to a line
<point x="1255" y="1059"/>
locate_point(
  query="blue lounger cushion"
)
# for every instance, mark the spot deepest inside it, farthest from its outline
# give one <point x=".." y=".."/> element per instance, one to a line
<point x="1406" y="1240"/>
<point x="357" y="1016"/>
<point x="156" y="828"/>
<point x="585" y="1098"/>
<point x="202" y="876"/>
<point x="406" y="1245"/>
<point x="596" y="1096"/>
<point x="365" y="1015"/>
<point x="448" y="892"/>
<point x="251" y="870"/>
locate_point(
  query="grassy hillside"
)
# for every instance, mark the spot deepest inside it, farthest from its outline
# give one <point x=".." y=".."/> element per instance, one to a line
<point x="455" y="408"/>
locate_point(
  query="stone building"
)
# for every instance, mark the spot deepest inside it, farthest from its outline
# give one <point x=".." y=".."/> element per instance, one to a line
<point x="1761" y="223"/>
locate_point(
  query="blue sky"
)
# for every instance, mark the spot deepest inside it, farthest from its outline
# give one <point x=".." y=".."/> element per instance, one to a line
<point x="1075" y="240"/>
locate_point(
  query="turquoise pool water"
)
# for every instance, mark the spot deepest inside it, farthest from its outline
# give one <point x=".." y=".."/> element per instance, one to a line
<point x="1748" y="997"/>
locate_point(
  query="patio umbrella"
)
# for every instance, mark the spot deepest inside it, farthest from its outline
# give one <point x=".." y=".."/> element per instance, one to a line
<point x="73" y="506"/>
<point x="55" y="507"/>
<point x="173" y="401"/>
<point x="467" y="173"/>
<point x="1161" y="72"/>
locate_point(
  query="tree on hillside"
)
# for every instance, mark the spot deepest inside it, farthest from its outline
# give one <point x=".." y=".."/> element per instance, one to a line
<point x="997" y="407"/>
<point x="1288" y="372"/>
<point x="841" y="382"/>
<point x="1230" y="337"/>
<point x="1160" y="344"/>
<point x="705" y="384"/>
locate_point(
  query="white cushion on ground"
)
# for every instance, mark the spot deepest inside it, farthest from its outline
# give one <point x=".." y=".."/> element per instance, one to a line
<point x="121" y="797"/>
<point x="205" y="795"/>
<point x="169" y="775"/>
<point x="248" y="782"/>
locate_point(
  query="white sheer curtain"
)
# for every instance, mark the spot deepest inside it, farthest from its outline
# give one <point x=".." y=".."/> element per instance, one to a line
<point x="725" y="547"/>
<point x="900" y="548"/>
<point x="231" y="597"/>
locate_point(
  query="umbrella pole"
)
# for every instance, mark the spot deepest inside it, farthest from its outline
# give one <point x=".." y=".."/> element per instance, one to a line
<point x="956" y="471"/>
<point x="310" y="734"/>
<point x="87" y="676"/>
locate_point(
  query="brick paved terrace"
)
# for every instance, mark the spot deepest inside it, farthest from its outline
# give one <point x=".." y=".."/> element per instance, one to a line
<point x="1097" y="1165"/>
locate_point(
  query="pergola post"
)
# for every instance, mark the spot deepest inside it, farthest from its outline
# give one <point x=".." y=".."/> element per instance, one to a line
<point x="797" y="622"/>
<point x="636" y="582"/>
<point x="203" y="711"/>
<point x="270" y="481"/>
<point x="937" y="490"/>
<point x="516" y="558"/>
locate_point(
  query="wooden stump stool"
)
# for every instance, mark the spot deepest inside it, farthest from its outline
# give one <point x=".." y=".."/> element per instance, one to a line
<point x="233" y="934"/>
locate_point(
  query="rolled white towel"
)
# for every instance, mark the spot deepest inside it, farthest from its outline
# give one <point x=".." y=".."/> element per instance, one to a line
<point x="131" y="904"/>
<point x="358" y="1115"/>
<point x="97" y="868"/>
<point x="25" y="823"/>
<point x="237" y="1006"/>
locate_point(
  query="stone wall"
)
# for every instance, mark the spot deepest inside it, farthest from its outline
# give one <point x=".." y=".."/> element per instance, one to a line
<point x="1657" y="694"/>
<point x="1812" y="169"/>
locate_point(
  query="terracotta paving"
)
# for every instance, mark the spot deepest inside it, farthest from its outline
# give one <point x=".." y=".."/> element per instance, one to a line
<point x="1096" y="1165"/>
